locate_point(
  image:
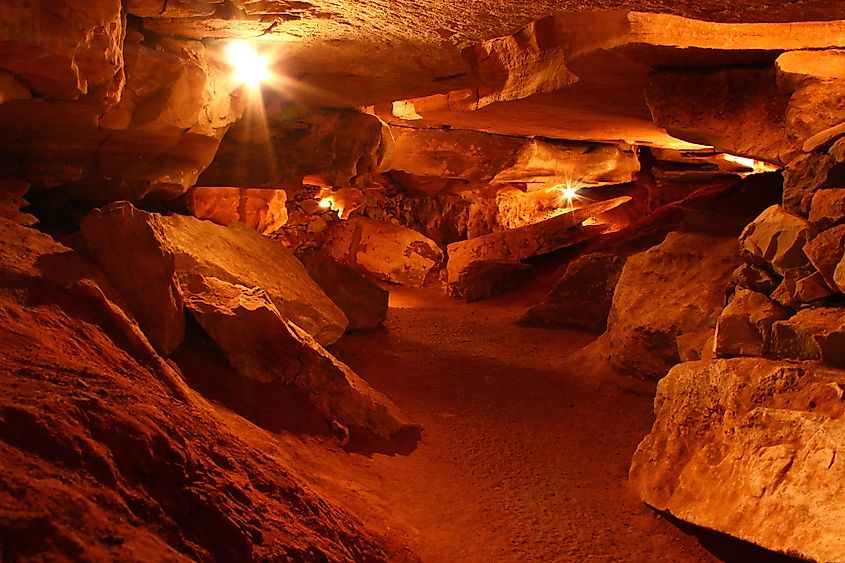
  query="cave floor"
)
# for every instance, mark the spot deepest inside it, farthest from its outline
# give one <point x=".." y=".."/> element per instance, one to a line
<point x="525" y="451"/>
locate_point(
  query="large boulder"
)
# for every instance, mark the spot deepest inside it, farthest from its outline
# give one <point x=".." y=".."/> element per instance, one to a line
<point x="362" y="301"/>
<point x="121" y="238"/>
<point x="673" y="289"/>
<point x="750" y="447"/>
<point x="745" y="325"/>
<point x="812" y="334"/>
<point x="777" y="237"/>
<point x="261" y="209"/>
<point x="263" y="346"/>
<point x="582" y="296"/>
<point x="389" y="252"/>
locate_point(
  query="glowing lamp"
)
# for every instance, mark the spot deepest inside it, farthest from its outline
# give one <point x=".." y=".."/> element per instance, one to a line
<point x="249" y="67"/>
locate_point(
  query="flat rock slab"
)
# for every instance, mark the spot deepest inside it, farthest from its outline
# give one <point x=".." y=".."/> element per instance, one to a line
<point x="263" y="346"/>
<point x="750" y="447"/>
<point x="531" y="240"/>
<point x="144" y="253"/>
<point x="390" y="252"/>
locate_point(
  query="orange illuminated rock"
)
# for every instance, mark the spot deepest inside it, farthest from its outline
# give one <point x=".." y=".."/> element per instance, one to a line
<point x="825" y="251"/>
<point x="389" y="252"/>
<point x="260" y="209"/>
<point x="263" y="346"/>
<point x="745" y="325"/>
<point x="185" y="245"/>
<point x="670" y="290"/>
<point x="750" y="447"/>
<point x="531" y="240"/>
<point x="778" y="238"/>
<point x="827" y="208"/>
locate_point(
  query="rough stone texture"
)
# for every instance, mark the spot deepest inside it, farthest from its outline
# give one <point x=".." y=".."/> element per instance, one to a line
<point x="778" y="238"/>
<point x="672" y="289"/>
<point x="824" y="140"/>
<point x="812" y="334"/>
<point x="531" y="240"/>
<point x="582" y="296"/>
<point x="817" y="100"/>
<point x="486" y="279"/>
<point x="261" y="209"/>
<point x="786" y="292"/>
<point x="235" y="254"/>
<point x="839" y="275"/>
<point x="753" y="277"/>
<point x="290" y="142"/>
<point x="807" y="174"/>
<point x="363" y="302"/>
<point x="750" y="447"/>
<point x="389" y="252"/>
<point x="812" y="288"/>
<point x="825" y="251"/>
<point x="132" y="249"/>
<point x="481" y="158"/>
<point x="827" y="208"/>
<point x="745" y="325"/>
<point x="738" y="111"/>
<point x="263" y="346"/>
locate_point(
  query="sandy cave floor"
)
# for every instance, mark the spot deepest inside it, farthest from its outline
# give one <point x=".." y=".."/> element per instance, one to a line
<point x="525" y="451"/>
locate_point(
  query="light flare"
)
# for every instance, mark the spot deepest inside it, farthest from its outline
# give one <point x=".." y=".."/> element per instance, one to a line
<point x="249" y="66"/>
<point x="756" y="166"/>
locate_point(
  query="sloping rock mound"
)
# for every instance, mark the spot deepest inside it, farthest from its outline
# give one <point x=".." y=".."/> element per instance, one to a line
<point x="183" y="245"/>
<point x="675" y="288"/>
<point x="108" y="456"/>
<point x="264" y="347"/>
<point x="582" y="297"/>
<point x="750" y="447"/>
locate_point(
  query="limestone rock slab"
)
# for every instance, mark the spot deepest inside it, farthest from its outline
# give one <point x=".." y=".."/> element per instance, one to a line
<point x="750" y="447"/>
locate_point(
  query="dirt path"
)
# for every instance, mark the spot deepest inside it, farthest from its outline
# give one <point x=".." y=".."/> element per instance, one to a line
<point x="525" y="454"/>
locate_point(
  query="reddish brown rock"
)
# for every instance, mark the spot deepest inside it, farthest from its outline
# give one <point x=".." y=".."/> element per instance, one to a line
<point x="825" y="251"/>
<point x="777" y="237"/>
<point x="260" y="209"/>
<point x="531" y="240"/>
<point x="363" y="302"/>
<point x="812" y="288"/>
<point x="186" y="245"/>
<point x="827" y="208"/>
<point x="753" y="277"/>
<point x="582" y="296"/>
<point x="807" y="174"/>
<point x="786" y="293"/>
<point x="264" y="347"/>
<point x="389" y="252"/>
<point x="672" y="289"/>
<point x="812" y="334"/>
<point x="486" y="279"/>
<point x="745" y="325"/>
<point x="749" y="447"/>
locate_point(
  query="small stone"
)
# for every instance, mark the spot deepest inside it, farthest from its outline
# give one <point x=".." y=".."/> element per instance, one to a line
<point x="812" y="288"/>
<point x="745" y="325"/>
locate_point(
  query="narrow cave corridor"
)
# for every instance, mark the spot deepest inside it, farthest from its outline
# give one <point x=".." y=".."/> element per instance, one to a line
<point x="323" y="280"/>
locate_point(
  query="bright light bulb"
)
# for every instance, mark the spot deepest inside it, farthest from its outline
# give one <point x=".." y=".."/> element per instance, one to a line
<point x="249" y="67"/>
<point x="569" y="193"/>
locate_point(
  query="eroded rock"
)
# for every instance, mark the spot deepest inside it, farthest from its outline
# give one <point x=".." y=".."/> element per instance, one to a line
<point x="265" y="347"/>
<point x="745" y="325"/>
<point x="827" y="208"/>
<point x="750" y="447"/>
<point x="389" y="252"/>
<point x="778" y="238"/>
<point x="260" y="209"/>
<point x="812" y="334"/>
<point x="825" y="251"/>
<point x="582" y="296"/>
<point x="186" y="245"/>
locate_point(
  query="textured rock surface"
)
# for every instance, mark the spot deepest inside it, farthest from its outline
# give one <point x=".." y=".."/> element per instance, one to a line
<point x="745" y="325"/>
<point x="389" y="252"/>
<point x="812" y="334"/>
<point x="582" y="296"/>
<point x="235" y="254"/>
<point x="531" y="240"/>
<point x="777" y="237"/>
<point x="260" y="209"/>
<point x="263" y="346"/>
<point x="807" y="174"/>
<point x="827" y="208"/>
<point x="825" y="251"/>
<point x="673" y="289"/>
<point x="363" y="302"/>
<point x="750" y="447"/>
<point x="486" y="279"/>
